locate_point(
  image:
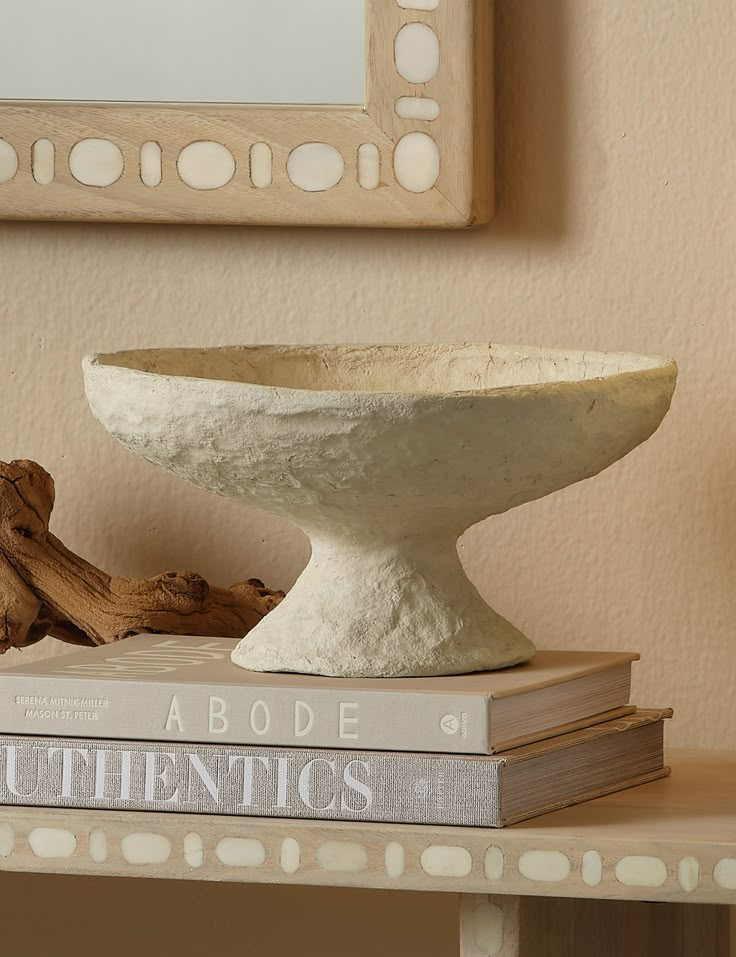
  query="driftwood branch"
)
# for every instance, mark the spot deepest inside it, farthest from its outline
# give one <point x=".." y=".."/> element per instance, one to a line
<point x="45" y="589"/>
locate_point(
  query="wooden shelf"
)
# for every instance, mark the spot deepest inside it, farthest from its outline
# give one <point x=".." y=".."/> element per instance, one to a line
<point x="672" y="840"/>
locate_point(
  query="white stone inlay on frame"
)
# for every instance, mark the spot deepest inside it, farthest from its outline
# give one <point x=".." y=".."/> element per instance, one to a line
<point x="342" y="856"/>
<point x="241" y="852"/>
<point x="417" y="162"/>
<point x="369" y="166"/>
<point x="193" y="849"/>
<point x="43" y="162"/>
<point x="51" y="842"/>
<point x="151" y="164"/>
<point x="7" y="840"/>
<point x="488" y="921"/>
<point x="640" y="870"/>
<point x="688" y="874"/>
<point x="96" y="162"/>
<point x="418" y="4"/>
<point x="547" y="866"/>
<point x="206" y="165"/>
<point x="417" y="53"/>
<point x="592" y="868"/>
<point x="395" y="860"/>
<point x="145" y="848"/>
<point x="261" y="165"/>
<point x="8" y="162"/>
<point x="417" y="108"/>
<point x="315" y="167"/>
<point x="291" y="855"/>
<point x="724" y="873"/>
<point x="445" y="861"/>
<point x="493" y="864"/>
<point x="98" y="847"/>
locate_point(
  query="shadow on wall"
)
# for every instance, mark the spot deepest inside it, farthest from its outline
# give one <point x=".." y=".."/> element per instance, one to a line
<point x="531" y="118"/>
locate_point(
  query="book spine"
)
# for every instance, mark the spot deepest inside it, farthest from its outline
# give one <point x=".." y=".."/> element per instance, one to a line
<point x="250" y="782"/>
<point x="75" y="706"/>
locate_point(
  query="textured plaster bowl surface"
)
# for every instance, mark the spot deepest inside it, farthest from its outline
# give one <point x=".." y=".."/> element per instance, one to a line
<point x="383" y="455"/>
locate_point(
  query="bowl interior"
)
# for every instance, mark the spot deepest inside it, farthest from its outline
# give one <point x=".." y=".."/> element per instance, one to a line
<point x="433" y="368"/>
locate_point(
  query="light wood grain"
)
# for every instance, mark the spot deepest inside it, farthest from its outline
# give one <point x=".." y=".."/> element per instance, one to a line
<point x="463" y="131"/>
<point x="690" y="815"/>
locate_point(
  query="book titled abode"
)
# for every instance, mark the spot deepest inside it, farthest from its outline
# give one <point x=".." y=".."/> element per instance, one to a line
<point x="408" y="788"/>
<point x="159" y="688"/>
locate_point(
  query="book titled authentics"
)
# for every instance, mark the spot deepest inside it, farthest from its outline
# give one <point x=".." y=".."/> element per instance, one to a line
<point x="166" y="688"/>
<point x="409" y="788"/>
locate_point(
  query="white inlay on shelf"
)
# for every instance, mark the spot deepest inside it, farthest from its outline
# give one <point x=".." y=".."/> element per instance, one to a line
<point x="8" y="162"/>
<point x="241" y="852"/>
<point x="291" y="855"/>
<point x="193" y="849"/>
<point x="52" y="842"/>
<point x="417" y="53"/>
<point x="206" y="165"/>
<point x="145" y="848"/>
<point x="151" y="164"/>
<point x="95" y="162"/>
<point x="395" y="860"/>
<point x="592" y="868"/>
<point x="417" y="108"/>
<point x="43" y="162"/>
<point x="488" y="921"/>
<point x="688" y="874"/>
<point x="261" y="165"/>
<point x="641" y="871"/>
<point x="417" y="162"/>
<point x="98" y="847"/>
<point x="7" y="840"/>
<point x="724" y="873"/>
<point x="342" y="856"/>
<point x="493" y="864"/>
<point x="548" y="866"/>
<point x="315" y="167"/>
<point x="418" y="4"/>
<point x="369" y="166"/>
<point x="444" y="861"/>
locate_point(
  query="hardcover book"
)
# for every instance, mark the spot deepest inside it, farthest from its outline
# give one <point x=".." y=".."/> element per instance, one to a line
<point x="159" y="688"/>
<point x="466" y="790"/>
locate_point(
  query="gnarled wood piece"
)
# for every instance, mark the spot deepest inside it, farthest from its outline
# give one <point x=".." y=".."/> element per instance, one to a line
<point x="45" y="589"/>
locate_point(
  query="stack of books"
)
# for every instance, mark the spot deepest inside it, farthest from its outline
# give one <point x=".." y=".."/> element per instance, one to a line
<point x="163" y="723"/>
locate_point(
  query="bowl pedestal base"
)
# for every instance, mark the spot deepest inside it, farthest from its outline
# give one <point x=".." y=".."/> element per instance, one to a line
<point x="383" y="609"/>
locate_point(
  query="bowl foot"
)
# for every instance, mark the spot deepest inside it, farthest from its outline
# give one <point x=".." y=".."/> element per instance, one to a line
<point x="383" y="610"/>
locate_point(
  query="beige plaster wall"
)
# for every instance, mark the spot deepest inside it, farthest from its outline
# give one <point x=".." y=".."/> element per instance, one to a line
<point x="616" y="230"/>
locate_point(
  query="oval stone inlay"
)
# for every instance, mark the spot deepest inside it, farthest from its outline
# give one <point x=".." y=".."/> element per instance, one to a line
<point x="441" y="860"/>
<point x="8" y="162"/>
<point x="342" y="856"/>
<point x="7" y="840"/>
<point x="488" y="923"/>
<point x="291" y="856"/>
<point x="194" y="849"/>
<point x="43" y="162"/>
<point x="395" y="860"/>
<point x="547" y="866"/>
<point x="422" y="108"/>
<point x="369" y="166"/>
<point x="315" y="167"/>
<point x="418" y="4"/>
<point x="51" y="842"/>
<point x="417" y="162"/>
<point x="417" y="53"/>
<point x="145" y="848"/>
<point x="96" y="162"/>
<point x="592" y="868"/>
<point x="151" y="164"/>
<point x="261" y="165"/>
<point x="98" y="848"/>
<point x="688" y="874"/>
<point x="241" y="852"/>
<point x="640" y="870"/>
<point x="493" y="864"/>
<point x="724" y="873"/>
<point x="206" y="165"/>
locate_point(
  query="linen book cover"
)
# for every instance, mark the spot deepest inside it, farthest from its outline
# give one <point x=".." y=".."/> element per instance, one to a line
<point x="481" y="791"/>
<point x="166" y="688"/>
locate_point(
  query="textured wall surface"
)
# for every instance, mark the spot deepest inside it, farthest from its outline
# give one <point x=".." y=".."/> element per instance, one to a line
<point x="616" y="230"/>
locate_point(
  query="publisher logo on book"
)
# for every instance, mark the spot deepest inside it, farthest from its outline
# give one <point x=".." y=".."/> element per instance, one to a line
<point x="452" y="724"/>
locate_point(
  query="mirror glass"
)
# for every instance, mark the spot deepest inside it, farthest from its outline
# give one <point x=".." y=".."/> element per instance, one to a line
<point x="184" y="51"/>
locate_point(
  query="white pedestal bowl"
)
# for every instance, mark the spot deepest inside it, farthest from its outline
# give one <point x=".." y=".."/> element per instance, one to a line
<point x="383" y="455"/>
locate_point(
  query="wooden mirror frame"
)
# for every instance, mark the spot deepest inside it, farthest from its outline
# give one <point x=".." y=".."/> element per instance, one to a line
<point x="419" y="154"/>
